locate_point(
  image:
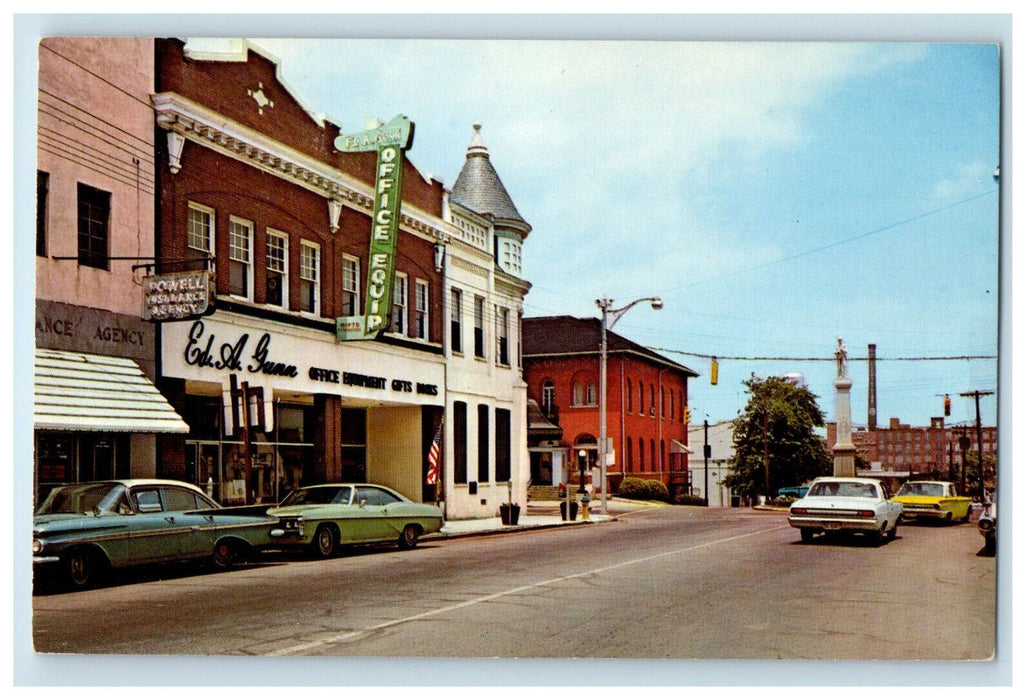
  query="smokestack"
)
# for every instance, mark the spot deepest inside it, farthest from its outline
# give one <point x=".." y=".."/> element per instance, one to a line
<point x="873" y="414"/>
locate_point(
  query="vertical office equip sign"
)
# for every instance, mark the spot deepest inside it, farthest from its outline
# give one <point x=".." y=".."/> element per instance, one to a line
<point x="390" y="141"/>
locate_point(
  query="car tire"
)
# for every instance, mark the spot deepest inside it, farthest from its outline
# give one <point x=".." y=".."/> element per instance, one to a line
<point x="225" y="555"/>
<point x="968" y="515"/>
<point x="949" y="519"/>
<point x="82" y="569"/>
<point x="324" y="542"/>
<point x="874" y="538"/>
<point x="891" y="534"/>
<point x="409" y="537"/>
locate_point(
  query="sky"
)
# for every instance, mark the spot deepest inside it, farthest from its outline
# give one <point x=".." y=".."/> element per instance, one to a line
<point x="777" y="196"/>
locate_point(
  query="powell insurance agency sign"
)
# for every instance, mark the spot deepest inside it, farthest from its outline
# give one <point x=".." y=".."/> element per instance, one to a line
<point x="178" y="296"/>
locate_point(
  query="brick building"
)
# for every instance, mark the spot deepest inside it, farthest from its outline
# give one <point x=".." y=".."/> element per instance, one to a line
<point x="646" y="394"/>
<point x="901" y="451"/>
<point x="254" y="188"/>
<point x="97" y="412"/>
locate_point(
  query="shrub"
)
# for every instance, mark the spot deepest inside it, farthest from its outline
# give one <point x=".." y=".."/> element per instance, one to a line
<point x="783" y="501"/>
<point x="687" y="499"/>
<point x="643" y="489"/>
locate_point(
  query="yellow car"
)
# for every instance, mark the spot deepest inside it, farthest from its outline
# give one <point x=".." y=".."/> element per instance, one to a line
<point x="933" y="499"/>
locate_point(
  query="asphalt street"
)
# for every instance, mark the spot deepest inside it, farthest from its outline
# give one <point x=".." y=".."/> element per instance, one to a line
<point x="674" y="583"/>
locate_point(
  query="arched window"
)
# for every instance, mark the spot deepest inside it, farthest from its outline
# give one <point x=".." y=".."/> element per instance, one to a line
<point x="642" y="454"/>
<point x="652" y="454"/>
<point x="641" y="398"/>
<point x="548" y="395"/>
<point x="673" y="413"/>
<point x="652" y="400"/>
<point x="663" y="457"/>
<point x="628" y="455"/>
<point x="579" y="394"/>
<point x="631" y="397"/>
<point x="590" y="396"/>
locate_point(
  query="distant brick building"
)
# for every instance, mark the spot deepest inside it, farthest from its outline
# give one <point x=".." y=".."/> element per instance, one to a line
<point x="646" y="395"/>
<point x="902" y="451"/>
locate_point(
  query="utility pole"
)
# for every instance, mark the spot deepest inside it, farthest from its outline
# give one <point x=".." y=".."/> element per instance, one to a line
<point x="706" y="463"/>
<point x="979" y="439"/>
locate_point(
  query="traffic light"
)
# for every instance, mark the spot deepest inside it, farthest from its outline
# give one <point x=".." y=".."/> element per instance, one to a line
<point x="713" y="371"/>
<point x="947" y="405"/>
<point x="686" y="415"/>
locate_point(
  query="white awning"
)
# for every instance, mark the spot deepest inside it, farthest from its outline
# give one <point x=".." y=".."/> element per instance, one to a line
<point x="678" y="448"/>
<point x="80" y="391"/>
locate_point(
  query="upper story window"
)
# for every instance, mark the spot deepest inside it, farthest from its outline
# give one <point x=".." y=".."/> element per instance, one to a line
<point x="631" y="397"/>
<point x="502" y="329"/>
<point x="276" y="257"/>
<point x="478" y="327"/>
<point x="509" y="256"/>
<point x="456" y="321"/>
<point x="422" y="302"/>
<point x="641" y="398"/>
<point x="241" y="238"/>
<point x="652" y="400"/>
<point x="400" y="305"/>
<point x="94" y="215"/>
<point x="309" y="285"/>
<point x="350" y="280"/>
<point x="42" y="192"/>
<point x="578" y="396"/>
<point x="200" y="228"/>
<point x="548" y="395"/>
<point x="590" y="394"/>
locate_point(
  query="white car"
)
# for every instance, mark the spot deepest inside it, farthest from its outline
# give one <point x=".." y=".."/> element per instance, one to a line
<point x="847" y="505"/>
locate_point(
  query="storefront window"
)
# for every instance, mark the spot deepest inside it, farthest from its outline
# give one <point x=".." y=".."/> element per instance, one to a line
<point x="280" y="460"/>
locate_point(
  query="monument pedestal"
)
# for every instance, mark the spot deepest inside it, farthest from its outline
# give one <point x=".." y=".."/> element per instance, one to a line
<point x="844" y="450"/>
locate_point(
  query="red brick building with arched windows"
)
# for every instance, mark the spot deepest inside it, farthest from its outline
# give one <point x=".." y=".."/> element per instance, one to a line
<point x="646" y="399"/>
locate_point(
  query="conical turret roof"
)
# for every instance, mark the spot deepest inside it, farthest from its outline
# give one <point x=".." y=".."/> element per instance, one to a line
<point x="479" y="188"/>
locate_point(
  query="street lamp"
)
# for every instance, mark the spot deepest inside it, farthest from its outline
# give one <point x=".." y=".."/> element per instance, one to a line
<point x="608" y="313"/>
<point x="582" y="462"/>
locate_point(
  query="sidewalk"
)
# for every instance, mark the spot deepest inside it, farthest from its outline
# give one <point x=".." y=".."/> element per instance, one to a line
<point x="538" y="515"/>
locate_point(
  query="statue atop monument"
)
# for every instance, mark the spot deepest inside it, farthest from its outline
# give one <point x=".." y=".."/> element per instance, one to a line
<point x="840" y="358"/>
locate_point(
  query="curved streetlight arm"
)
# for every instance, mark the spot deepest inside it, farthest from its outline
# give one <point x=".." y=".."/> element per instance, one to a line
<point x="614" y="315"/>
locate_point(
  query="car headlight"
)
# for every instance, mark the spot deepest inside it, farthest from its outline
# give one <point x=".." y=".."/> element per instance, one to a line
<point x="37" y="546"/>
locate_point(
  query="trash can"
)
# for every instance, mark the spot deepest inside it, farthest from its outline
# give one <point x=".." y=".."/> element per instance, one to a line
<point x="510" y="513"/>
<point x="735" y="500"/>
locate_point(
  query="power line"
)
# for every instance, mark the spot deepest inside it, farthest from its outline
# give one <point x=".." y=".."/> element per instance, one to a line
<point x="928" y="358"/>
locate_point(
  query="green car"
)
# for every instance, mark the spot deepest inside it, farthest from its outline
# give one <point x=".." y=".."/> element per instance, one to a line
<point x="320" y="518"/>
<point x="83" y="530"/>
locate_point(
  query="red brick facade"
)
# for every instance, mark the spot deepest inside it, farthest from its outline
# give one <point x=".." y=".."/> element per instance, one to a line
<point x="233" y="188"/>
<point x="646" y="401"/>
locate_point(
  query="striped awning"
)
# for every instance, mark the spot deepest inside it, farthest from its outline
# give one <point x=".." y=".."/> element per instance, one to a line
<point x="80" y="391"/>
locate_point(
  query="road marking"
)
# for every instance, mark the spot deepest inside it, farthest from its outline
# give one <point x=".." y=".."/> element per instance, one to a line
<point x="337" y="639"/>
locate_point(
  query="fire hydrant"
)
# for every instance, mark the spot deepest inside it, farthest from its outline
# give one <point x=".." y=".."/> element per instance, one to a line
<point x="584" y="505"/>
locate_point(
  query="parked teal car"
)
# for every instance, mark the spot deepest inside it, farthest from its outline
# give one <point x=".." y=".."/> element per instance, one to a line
<point x="320" y="518"/>
<point x="83" y="530"/>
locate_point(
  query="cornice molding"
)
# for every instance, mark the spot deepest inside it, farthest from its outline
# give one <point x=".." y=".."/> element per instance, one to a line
<point x="198" y="124"/>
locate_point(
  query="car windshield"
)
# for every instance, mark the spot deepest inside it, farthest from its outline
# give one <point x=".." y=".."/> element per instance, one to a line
<point x="82" y="498"/>
<point x="319" y="495"/>
<point x="916" y="489"/>
<point x="848" y="489"/>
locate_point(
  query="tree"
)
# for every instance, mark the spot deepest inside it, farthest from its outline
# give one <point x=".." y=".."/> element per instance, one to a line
<point x="775" y="440"/>
<point x="970" y="485"/>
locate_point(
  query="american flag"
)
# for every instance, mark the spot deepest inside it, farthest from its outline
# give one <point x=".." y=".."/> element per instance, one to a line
<point x="434" y="457"/>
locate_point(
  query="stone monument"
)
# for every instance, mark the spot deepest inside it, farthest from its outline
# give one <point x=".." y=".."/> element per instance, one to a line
<point x="843" y="451"/>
